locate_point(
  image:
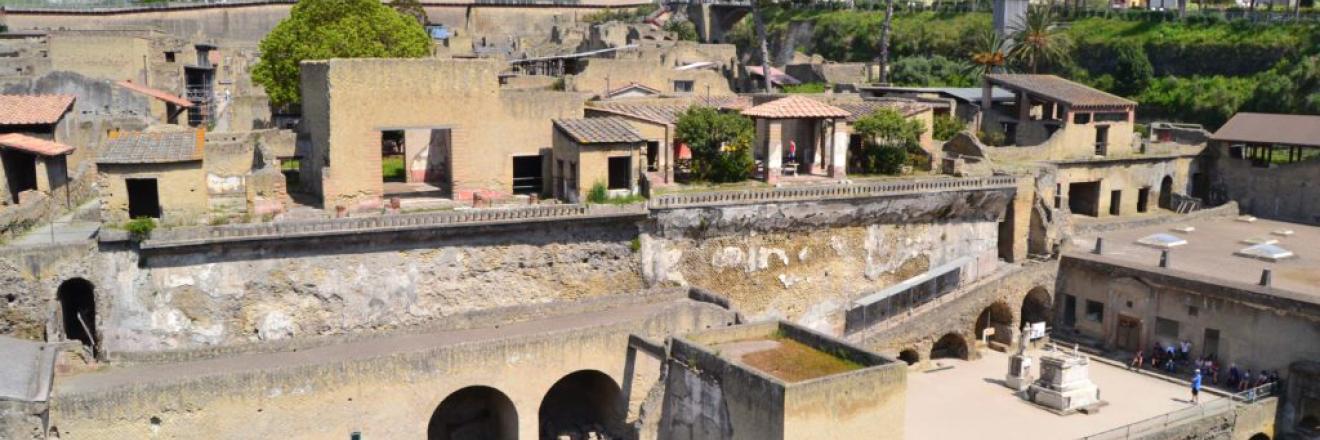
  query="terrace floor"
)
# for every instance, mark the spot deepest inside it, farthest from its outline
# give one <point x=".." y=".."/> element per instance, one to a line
<point x="968" y="401"/>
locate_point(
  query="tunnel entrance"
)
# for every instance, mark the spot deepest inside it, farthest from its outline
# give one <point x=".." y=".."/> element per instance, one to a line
<point x="580" y="404"/>
<point x="1084" y="198"/>
<point x="78" y="310"/>
<point x="909" y="356"/>
<point x="1036" y="306"/>
<point x="474" y="413"/>
<point x="950" y="345"/>
<point x="999" y="317"/>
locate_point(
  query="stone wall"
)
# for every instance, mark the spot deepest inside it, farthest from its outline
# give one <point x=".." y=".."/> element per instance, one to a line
<point x="1283" y="192"/>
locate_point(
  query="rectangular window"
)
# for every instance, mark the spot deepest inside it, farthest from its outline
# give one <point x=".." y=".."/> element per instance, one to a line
<point x="683" y="86"/>
<point x="1082" y="118"/>
<point x="1193" y="311"/>
<point x="169" y="56"/>
<point x="1166" y="328"/>
<point x="620" y="173"/>
<point x="1095" y="311"/>
<point x="1111" y="117"/>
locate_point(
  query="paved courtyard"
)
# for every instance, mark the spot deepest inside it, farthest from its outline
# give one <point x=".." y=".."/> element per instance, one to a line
<point x="968" y="401"/>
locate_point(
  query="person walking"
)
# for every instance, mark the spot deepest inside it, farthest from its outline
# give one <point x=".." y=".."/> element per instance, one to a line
<point x="1196" y="388"/>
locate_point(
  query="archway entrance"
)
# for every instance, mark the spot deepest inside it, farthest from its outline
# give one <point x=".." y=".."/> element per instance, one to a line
<point x="474" y="413"/>
<point x="999" y="317"/>
<point x="580" y="404"/>
<point x="1166" y="192"/>
<point x="950" y="345"/>
<point x="909" y="356"/>
<point x="77" y="299"/>
<point x="1036" y="306"/>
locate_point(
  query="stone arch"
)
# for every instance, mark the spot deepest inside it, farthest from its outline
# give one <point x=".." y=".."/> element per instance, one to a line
<point x="951" y="345"/>
<point x="581" y="403"/>
<point x="1166" y="192"/>
<point x="1037" y="306"/>
<point x="77" y="299"/>
<point x="475" y="412"/>
<point x="1260" y="436"/>
<point x="909" y="356"/>
<point x="998" y="316"/>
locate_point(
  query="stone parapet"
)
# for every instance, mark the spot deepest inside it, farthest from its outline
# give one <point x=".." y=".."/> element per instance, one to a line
<point x="831" y="191"/>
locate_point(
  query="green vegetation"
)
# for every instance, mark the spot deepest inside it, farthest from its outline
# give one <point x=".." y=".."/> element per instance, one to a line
<point x="624" y="15"/>
<point x="600" y="195"/>
<point x="391" y="168"/>
<point x="947" y="126"/>
<point x="888" y="137"/>
<point x="812" y="87"/>
<point x="140" y="227"/>
<point x="1202" y="69"/>
<point x="323" y="29"/>
<point x="683" y="30"/>
<point x="793" y="361"/>
<point x="721" y="144"/>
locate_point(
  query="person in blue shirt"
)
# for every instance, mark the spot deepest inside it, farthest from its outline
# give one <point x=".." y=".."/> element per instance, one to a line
<point x="1196" y="387"/>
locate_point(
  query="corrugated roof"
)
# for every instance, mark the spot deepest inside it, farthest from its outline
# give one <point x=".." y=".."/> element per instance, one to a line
<point x="665" y="111"/>
<point x="777" y="77"/>
<point x="34" y="145"/>
<point x="608" y="130"/>
<point x="796" y="107"/>
<point x="138" y="147"/>
<point x="1271" y="128"/>
<point x="33" y="109"/>
<point x="1061" y="90"/>
<point x="863" y="108"/>
<point x="154" y="93"/>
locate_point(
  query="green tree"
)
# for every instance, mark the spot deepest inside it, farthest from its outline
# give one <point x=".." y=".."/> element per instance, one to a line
<point x="933" y="71"/>
<point x="323" y="29"/>
<point x="1039" y="41"/>
<point x="989" y="53"/>
<point x="887" y="138"/>
<point x="684" y="30"/>
<point x="720" y="142"/>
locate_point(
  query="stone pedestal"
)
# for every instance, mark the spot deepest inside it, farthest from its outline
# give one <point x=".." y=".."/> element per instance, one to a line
<point x="1065" y="384"/>
<point x="1019" y="372"/>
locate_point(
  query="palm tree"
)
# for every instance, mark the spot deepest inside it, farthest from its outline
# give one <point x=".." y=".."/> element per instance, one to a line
<point x="1039" y="40"/>
<point x="989" y="54"/>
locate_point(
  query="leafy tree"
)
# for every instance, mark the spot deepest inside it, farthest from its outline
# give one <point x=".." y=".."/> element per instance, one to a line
<point x="887" y="138"/>
<point x="933" y="71"/>
<point x="1132" y="69"/>
<point x="684" y="30"/>
<point x="411" y="8"/>
<point x="1039" y="41"/>
<point x="720" y="142"/>
<point x="323" y="29"/>
<point x="947" y="126"/>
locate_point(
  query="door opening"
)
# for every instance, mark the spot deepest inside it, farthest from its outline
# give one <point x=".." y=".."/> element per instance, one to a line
<point x="143" y="198"/>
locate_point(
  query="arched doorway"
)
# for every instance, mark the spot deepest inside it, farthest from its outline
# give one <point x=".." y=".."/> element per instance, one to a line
<point x="1036" y="307"/>
<point x="909" y="356"/>
<point x="581" y="403"/>
<point x="1166" y="192"/>
<point x="999" y="317"/>
<point x="951" y="345"/>
<point x="77" y="299"/>
<point x="473" y="413"/>
<point x="1260" y="436"/>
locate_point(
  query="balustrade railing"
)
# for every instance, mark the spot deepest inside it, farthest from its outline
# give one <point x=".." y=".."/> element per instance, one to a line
<point x="826" y="192"/>
<point x="1186" y="415"/>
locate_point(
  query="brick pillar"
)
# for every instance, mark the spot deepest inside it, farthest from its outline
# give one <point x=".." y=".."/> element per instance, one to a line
<point x="838" y="150"/>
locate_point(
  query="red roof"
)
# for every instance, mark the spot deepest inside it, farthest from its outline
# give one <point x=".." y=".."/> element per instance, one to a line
<point x="33" y="109"/>
<point x="34" y="145"/>
<point x="154" y="93"/>
<point x="796" y="107"/>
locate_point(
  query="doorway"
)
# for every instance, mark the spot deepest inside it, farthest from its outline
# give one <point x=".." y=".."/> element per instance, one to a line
<point x="1166" y="192"/>
<point x="620" y="173"/>
<point x="652" y="153"/>
<point x="143" y="198"/>
<point x="1210" y="343"/>
<point x="1084" y="198"/>
<point x="20" y="172"/>
<point x="527" y="174"/>
<point x="1143" y="199"/>
<point x="1115" y="202"/>
<point x="78" y="310"/>
<point x="1101" y="140"/>
<point x="392" y="158"/>
<point x="1069" y="310"/>
<point x="1128" y="335"/>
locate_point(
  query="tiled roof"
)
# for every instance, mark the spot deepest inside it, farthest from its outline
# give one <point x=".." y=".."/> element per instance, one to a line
<point x="1060" y="90"/>
<point x="796" y="107"/>
<point x="1267" y="128"/>
<point x="154" y="93"/>
<point x="33" y="109"/>
<point x="631" y="86"/>
<point x="139" y="147"/>
<point x="608" y="130"/>
<point x="863" y="108"/>
<point x="665" y="111"/>
<point x="34" y="145"/>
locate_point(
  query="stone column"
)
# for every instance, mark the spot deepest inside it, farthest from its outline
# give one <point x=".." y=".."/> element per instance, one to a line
<point x="774" y="155"/>
<point x="838" y="150"/>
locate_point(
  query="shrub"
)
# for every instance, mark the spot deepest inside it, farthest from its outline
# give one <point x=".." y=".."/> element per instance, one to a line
<point x="932" y="71"/>
<point x="947" y="126"/>
<point x="813" y="87"/>
<point x="683" y="30"/>
<point x="992" y="138"/>
<point x="720" y="143"/>
<point x="598" y="193"/>
<point x="140" y="227"/>
<point x="887" y="138"/>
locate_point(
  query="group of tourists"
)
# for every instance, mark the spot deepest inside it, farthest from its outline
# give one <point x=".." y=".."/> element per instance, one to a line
<point x="1173" y="358"/>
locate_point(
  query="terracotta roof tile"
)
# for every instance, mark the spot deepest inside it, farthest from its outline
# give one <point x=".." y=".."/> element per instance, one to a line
<point x="631" y="86"/>
<point x="796" y="107"/>
<point x="154" y="93"/>
<point x="1061" y="90"/>
<point x="33" y="109"/>
<point x="666" y="110"/>
<point x="162" y="147"/>
<point x="34" y="145"/>
<point x="863" y="108"/>
<point x="608" y="130"/>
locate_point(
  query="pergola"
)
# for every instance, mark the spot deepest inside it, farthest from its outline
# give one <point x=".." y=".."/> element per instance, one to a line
<point x="1262" y="135"/>
<point x="797" y="114"/>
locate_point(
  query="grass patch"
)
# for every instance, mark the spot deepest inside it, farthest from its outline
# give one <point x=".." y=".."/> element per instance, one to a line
<point x="391" y="167"/>
<point x="794" y="361"/>
<point x="812" y="87"/>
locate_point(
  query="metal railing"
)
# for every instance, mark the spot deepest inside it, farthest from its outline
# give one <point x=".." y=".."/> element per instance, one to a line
<point x="1186" y="415"/>
<point x="340" y="226"/>
<point x="826" y="192"/>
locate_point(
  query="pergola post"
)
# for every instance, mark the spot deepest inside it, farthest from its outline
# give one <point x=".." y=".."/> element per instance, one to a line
<point x="774" y="155"/>
<point x="838" y="153"/>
